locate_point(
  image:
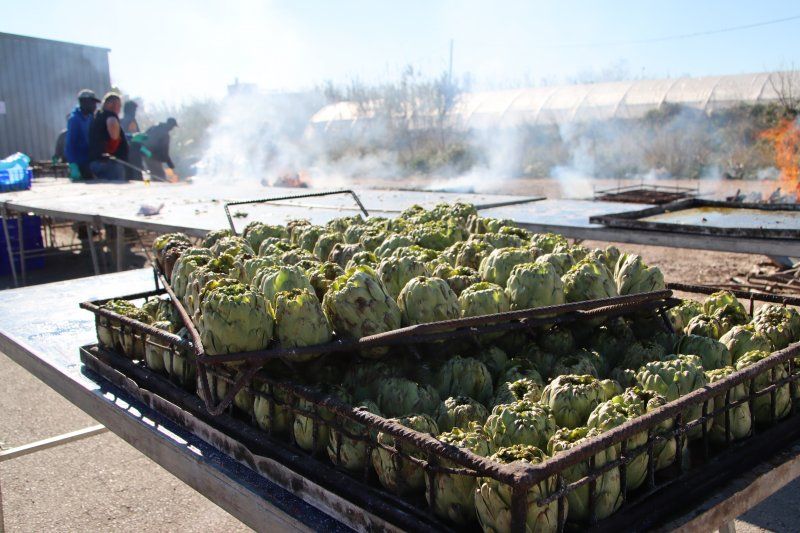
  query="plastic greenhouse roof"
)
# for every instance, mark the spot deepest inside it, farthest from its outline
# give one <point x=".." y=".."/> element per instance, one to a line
<point x="597" y="101"/>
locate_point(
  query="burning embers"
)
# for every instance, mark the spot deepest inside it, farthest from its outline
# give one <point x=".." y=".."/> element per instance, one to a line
<point x="785" y="139"/>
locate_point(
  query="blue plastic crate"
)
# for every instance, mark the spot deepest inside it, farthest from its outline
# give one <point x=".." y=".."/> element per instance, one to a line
<point x="31" y="236"/>
<point x="15" y="179"/>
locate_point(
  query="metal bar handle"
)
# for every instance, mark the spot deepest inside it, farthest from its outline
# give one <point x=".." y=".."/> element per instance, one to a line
<point x="292" y="197"/>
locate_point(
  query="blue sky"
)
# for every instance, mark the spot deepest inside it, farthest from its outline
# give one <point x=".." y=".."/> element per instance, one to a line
<point x="179" y="50"/>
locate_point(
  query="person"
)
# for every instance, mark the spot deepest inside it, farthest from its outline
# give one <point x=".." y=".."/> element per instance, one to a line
<point x="158" y="144"/>
<point x="76" y="143"/>
<point x="106" y="138"/>
<point x="130" y="126"/>
<point x="61" y="144"/>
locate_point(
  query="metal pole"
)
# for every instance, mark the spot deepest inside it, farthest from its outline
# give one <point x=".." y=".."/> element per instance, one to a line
<point x="4" y="216"/>
<point x="90" y="237"/>
<point x="21" y="234"/>
<point x="120" y="246"/>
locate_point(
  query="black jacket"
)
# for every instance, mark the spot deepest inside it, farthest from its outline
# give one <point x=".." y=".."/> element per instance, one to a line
<point x="98" y="137"/>
<point x="158" y="143"/>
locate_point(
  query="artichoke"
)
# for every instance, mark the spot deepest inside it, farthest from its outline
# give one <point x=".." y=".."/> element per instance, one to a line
<point x="720" y="299"/>
<point x="548" y="241"/>
<point x="632" y="276"/>
<point x="731" y="315"/>
<point x="558" y="341"/>
<point x="243" y="399"/>
<point x="740" y="418"/>
<point x="233" y="246"/>
<point x="459" y="412"/>
<point x="180" y="365"/>
<point x="325" y="243"/>
<point x="780" y="324"/>
<point x="425" y="300"/>
<point x="713" y="353"/>
<point x="454" y="494"/>
<point x="310" y="434"/>
<point x="483" y="298"/>
<point x="458" y="278"/>
<point x="588" y="280"/>
<point x="163" y="243"/>
<point x="249" y="270"/>
<point x="339" y="225"/>
<point x="275" y="248"/>
<point x="216" y="269"/>
<point x="392" y="243"/>
<point x="107" y="336"/>
<point x="561" y="262"/>
<point x="497" y="266"/>
<point x="472" y="253"/>
<point x="464" y="377"/>
<point x="674" y="377"/>
<point x="615" y="412"/>
<point x="396" y="272"/>
<point x="133" y="342"/>
<point x="321" y="277"/>
<point x="498" y="240"/>
<point x="495" y="360"/>
<point x="518" y="368"/>
<point x="153" y="350"/>
<point x="638" y="400"/>
<point x="272" y="409"/>
<point x="572" y="398"/>
<point x="435" y="236"/>
<point x="397" y="474"/>
<point x="493" y="498"/>
<point x="235" y="318"/>
<point x="349" y="452"/>
<point x="256" y="232"/>
<point x="341" y="254"/>
<point x="705" y="326"/>
<point x="522" y="389"/>
<point x="212" y="237"/>
<point x="362" y="258"/>
<point x="358" y="305"/>
<point x="299" y="320"/>
<point x="582" y="362"/>
<point x="680" y="315"/>
<point x="283" y="278"/>
<point x="762" y="407"/>
<point x="295" y="228"/>
<point x="607" y="494"/>
<point x="400" y="397"/>
<point x="363" y="378"/>
<point x="307" y="237"/>
<point x="521" y="422"/>
<point x="534" y="285"/>
<point x="742" y="339"/>
<point x="188" y="261"/>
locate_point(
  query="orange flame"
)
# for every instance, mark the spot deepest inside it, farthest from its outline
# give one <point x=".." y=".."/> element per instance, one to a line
<point x="785" y="139"/>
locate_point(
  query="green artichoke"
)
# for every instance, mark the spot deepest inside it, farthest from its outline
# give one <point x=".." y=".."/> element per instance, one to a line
<point x="107" y="336"/>
<point x="498" y="240"/>
<point x="527" y="389"/>
<point x="275" y="248"/>
<point x="351" y="452"/>
<point x="720" y="299"/>
<point x="212" y="237"/>
<point x="561" y="262"/>
<point x="154" y="348"/>
<point x="363" y="378"/>
<point x="180" y="365"/>
<point x="588" y="280"/>
<point x="392" y="243"/>
<point x="495" y="360"/>
<point x="454" y="494"/>
<point x="425" y="300"/>
<point x="459" y="412"/>
<point x="397" y="474"/>
<point x="680" y="315"/>
<point x="713" y="353"/>
<point x="518" y="368"/>
<point x="243" y="399"/>
<point x="493" y="498"/>
<point x="339" y="225"/>
<point x="582" y="362"/>
<point x="632" y="276"/>
<point x="534" y="285"/>
<point x="249" y="270"/>
<point x="638" y="400"/>
<point x="464" y="377"/>
<point x="705" y="326"/>
<point x="256" y="232"/>
<point x="283" y="278"/>
<point x="133" y="342"/>
<point x="558" y="341"/>
<point x="163" y="243"/>
<point x="780" y="324"/>
<point x="472" y="253"/>
<point x="400" y="397"/>
<point x="762" y="407"/>
<point x="216" y="269"/>
<point x="731" y="315"/>
<point x="740" y="418"/>
<point x="233" y="246"/>
<point x="325" y="243"/>
<point x="548" y="241"/>
<point x="272" y="409"/>
<point x="299" y="320"/>
<point x="235" y="318"/>
<point x="458" y="278"/>
<point x="615" y="412"/>
<point x="396" y="272"/>
<point x="571" y="398"/>
<point x="674" y="377"/>
<point x="295" y="228"/>
<point x="497" y="266"/>
<point x="312" y="435"/>
<point x="321" y="277"/>
<point x="341" y="254"/>
<point x="358" y="305"/>
<point x="608" y="496"/>
<point x="742" y="339"/>
<point x="483" y="298"/>
<point x="521" y="422"/>
<point x="307" y="237"/>
<point x="188" y="261"/>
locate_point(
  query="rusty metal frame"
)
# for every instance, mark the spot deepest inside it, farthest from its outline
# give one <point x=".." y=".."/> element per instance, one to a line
<point x="645" y="194"/>
<point x="632" y="219"/>
<point x="292" y="197"/>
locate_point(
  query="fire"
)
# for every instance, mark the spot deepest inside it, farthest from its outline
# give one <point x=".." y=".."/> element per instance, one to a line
<point x="785" y="139"/>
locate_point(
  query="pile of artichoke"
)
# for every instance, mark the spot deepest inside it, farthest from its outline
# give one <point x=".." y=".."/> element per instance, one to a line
<point x="510" y="397"/>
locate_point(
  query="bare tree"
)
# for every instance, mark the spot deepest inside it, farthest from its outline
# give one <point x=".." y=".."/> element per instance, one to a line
<point x="786" y="85"/>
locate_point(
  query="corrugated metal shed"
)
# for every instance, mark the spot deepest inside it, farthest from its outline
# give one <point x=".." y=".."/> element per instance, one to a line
<point x="39" y="82"/>
<point x="596" y="101"/>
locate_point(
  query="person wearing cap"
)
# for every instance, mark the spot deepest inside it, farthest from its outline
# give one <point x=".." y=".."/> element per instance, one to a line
<point x="130" y="126"/>
<point x="158" y="144"/>
<point x="106" y="138"/>
<point x="76" y="143"/>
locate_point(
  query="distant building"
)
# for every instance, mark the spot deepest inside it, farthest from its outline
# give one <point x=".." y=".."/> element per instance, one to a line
<point x="39" y="84"/>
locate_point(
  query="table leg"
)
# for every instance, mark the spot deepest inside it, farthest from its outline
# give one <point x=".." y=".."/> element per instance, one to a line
<point x="9" y="249"/>
<point x="120" y="245"/>
<point x="21" y="236"/>
<point x="92" y="250"/>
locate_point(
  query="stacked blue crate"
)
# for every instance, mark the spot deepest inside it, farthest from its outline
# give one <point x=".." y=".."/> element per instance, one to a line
<point x="31" y="237"/>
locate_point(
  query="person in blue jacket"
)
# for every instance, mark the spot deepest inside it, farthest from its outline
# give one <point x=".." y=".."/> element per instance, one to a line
<point x="76" y="148"/>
